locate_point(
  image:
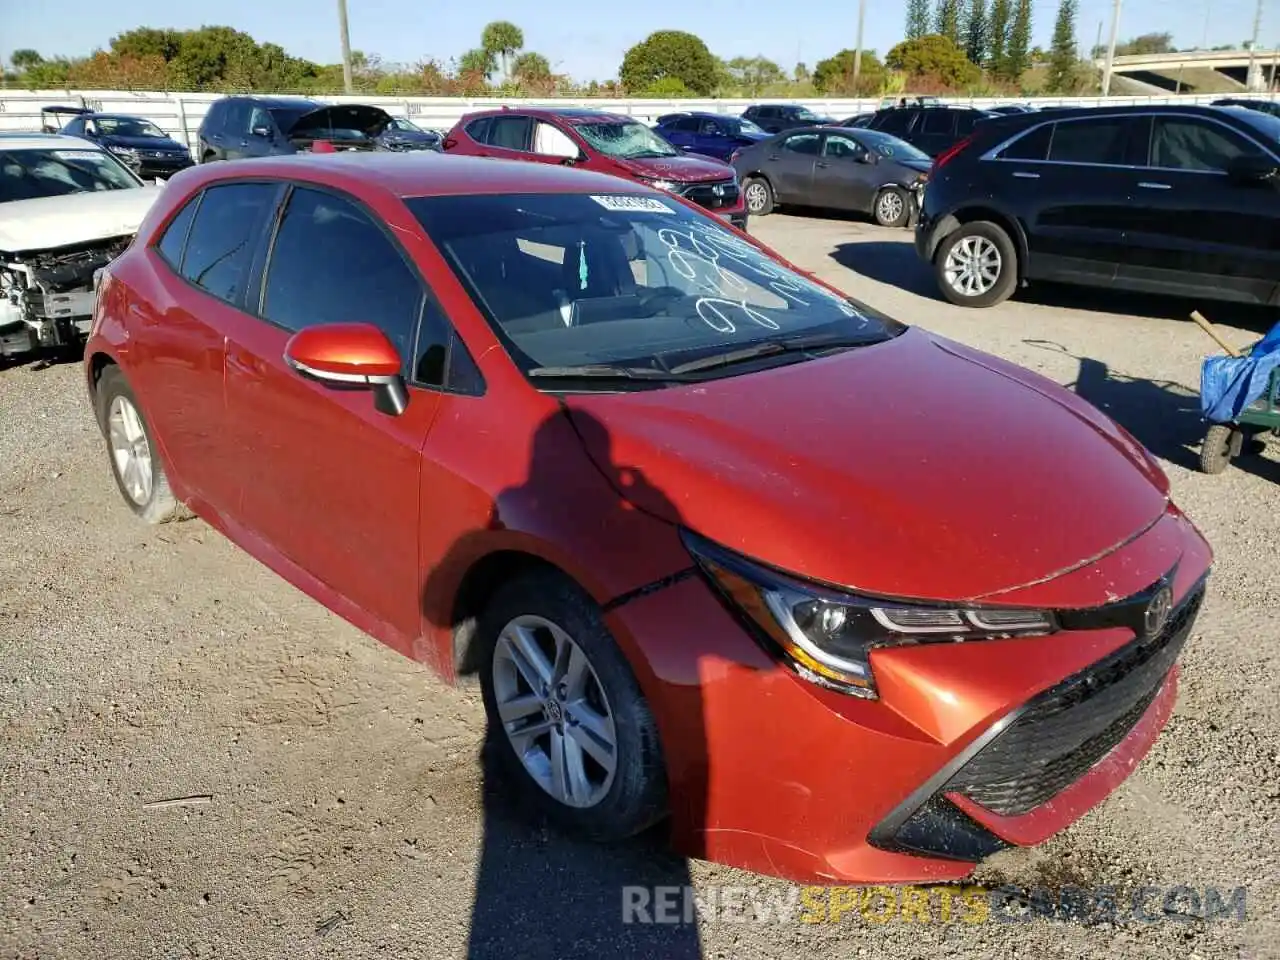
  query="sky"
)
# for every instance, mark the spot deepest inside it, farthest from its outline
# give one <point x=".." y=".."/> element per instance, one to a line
<point x="586" y="39"/>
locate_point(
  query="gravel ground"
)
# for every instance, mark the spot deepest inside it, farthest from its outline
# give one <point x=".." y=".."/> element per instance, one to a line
<point x="342" y="809"/>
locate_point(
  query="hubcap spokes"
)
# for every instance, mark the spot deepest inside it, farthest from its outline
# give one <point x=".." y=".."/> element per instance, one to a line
<point x="130" y="450"/>
<point x="755" y="197"/>
<point x="973" y="266"/>
<point x="554" y="711"/>
<point x="890" y="207"/>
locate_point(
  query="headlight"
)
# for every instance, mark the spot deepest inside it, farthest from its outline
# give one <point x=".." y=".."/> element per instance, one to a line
<point x="661" y="184"/>
<point x="127" y="154"/>
<point x="826" y="635"/>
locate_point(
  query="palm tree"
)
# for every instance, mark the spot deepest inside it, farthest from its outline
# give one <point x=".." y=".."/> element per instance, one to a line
<point x="502" y="39"/>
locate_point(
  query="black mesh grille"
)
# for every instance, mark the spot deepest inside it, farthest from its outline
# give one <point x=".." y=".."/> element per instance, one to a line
<point x="1066" y="730"/>
<point x="705" y="194"/>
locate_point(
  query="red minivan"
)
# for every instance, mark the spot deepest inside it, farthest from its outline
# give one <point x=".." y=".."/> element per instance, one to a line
<point x="605" y="142"/>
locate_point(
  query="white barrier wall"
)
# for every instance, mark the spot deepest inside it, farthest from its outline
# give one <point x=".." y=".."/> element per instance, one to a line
<point x="180" y="114"/>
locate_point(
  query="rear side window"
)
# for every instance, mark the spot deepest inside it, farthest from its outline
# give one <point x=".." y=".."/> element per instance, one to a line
<point x="1033" y="145"/>
<point x="174" y="239"/>
<point x="966" y="120"/>
<point x="894" y="121"/>
<point x="509" y="133"/>
<point x="686" y="124"/>
<point x="805" y="143"/>
<point x="214" y="115"/>
<point x="223" y="236"/>
<point x="332" y="264"/>
<point x="478" y="130"/>
<point x="1101" y="141"/>
<point x="938" y="121"/>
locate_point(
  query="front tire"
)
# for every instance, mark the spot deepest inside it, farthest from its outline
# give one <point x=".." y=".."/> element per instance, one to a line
<point x="1221" y="443"/>
<point x="892" y="207"/>
<point x="977" y="265"/>
<point x="758" y="195"/>
<point x="131" y="450"/>
<point x="566" y="716"/>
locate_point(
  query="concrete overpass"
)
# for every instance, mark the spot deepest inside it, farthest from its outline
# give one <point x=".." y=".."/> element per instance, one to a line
<point x="1195" y="71"/>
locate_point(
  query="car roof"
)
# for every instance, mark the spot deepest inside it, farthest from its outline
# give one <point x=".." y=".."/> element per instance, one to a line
<point x="416" y="174"/>
<point x="701" y="114"/>
<point x="44" y="141"/>
<point x="565" y="113"/>
<point x="276" y="101"/>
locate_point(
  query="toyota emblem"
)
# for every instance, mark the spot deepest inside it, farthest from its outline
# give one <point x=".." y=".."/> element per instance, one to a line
<point x="1158" y="610"/>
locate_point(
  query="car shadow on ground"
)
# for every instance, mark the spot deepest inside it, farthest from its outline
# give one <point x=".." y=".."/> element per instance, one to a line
<point x="1164" y="416"/>
<point x="895" y="263"/>
<point x="541" y="894"/>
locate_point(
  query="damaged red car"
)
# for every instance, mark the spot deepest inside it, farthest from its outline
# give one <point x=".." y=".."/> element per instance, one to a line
<point x="833" y="597"/>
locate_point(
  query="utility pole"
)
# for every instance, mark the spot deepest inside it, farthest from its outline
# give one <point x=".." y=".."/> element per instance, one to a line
<point x="1111" y="48"/>
<point x="1253" y="47"/>
<point x="346" y="47"/>
<point x="858" y="46"/>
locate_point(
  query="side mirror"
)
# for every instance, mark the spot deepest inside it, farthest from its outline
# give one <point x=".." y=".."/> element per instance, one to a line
<point x="351" y="356"/>
<point x="449" y="143"/>
<point x="1252" y="168"/>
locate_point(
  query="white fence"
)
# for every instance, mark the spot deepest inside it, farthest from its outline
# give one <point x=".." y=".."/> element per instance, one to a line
<point x="180" y="114"/>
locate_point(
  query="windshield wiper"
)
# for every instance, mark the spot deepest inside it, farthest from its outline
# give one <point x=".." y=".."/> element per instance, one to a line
<point x="767" y="348"/>
<point x="603" y="371"/>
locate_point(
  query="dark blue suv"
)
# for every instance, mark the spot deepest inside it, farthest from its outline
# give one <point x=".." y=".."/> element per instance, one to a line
<point x="711" y="134"/>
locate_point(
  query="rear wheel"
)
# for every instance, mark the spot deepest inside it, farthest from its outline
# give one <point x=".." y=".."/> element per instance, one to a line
<point x="566" y="715"/>
<point x="892" y="207"/>
<point x="759" y="196"/>
<point x="977" y="265"/>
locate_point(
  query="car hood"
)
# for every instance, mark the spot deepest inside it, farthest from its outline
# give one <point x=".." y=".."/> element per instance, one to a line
<point x="46" y="223"/>
<point x="912" y="468"/>
<point x="166" y="144"/>
<point x="343" y="116"/>
<point x="681" y="169"/>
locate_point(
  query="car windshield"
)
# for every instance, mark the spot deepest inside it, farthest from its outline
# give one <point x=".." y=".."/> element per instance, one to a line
<point x="890" y="146"/>
<point x="30" y="174"/>
<point x="128" y="127"/>
<point x="629" y="139"/>
<point x="633" y="283"/>
<point x="804" y="113"/>
<point x="400" y="123"/>
<point x="743" y="126"/>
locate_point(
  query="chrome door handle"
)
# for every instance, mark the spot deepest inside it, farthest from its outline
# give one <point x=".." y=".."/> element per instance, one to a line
<point x="1155" y="186"/>
<point x="1023" y="175"/>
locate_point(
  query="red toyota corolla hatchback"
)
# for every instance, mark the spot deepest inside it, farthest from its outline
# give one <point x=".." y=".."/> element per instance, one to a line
<point x="840" y="598"/>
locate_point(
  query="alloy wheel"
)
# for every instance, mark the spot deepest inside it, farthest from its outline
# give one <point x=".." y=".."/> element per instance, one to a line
<point x="973" y="266"/>
<point x="889" y="206"/>
<point x="554" y="711"/>
<point x="130" y="450"/>
<point x="757" y="197"/>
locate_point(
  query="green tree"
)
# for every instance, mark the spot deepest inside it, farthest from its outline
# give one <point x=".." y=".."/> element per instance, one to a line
<point x="148" y="42"/>
<point x="948" y="20"/>
<point x="977" y="33"/>
<point x="25" y="59"/>
<point x="1146" y="45"/>
<point x="1018" y="53"/>
<point x="934" y="56"/>
<point x="477" y="62"/>
<point x="998" y="29"/>
<point x="501" y="39"/>
<point x="667" y="88"/>
<point x="531" y="68"/>
<point x="919" y="22"/>
<point x="753" y="74"/>
<point x="835" y="74"/>
<point x="669" y="53"/>
<point x="1063" y="72"/>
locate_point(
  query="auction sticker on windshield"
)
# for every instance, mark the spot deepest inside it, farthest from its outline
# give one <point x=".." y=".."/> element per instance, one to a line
<point x="625" y="204"/>
<point x="76" y="154"/>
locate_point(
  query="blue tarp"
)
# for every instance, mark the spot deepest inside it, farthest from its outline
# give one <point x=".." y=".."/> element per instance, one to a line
<point x="1229" y="384"/>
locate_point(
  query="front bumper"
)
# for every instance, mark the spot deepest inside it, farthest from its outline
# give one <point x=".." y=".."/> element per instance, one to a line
<point x="775" y="775"/>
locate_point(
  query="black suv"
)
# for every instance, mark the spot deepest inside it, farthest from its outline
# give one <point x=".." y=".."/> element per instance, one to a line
<point x="244" y="126"/>
<point x="1181" y="200"/>
<point x="776" y="117"/>
<point x="928" y="128"/>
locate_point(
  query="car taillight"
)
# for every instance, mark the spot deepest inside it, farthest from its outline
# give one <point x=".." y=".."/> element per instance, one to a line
<point x="950" y="153"/>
